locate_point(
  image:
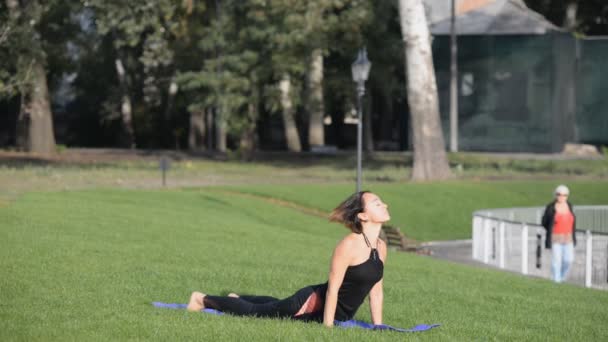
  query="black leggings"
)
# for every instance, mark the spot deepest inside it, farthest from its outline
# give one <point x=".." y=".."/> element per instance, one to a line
<point x="261" y="306"/>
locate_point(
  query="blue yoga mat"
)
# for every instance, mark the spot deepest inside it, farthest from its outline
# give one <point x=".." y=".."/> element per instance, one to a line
<point x="343" y="324"/>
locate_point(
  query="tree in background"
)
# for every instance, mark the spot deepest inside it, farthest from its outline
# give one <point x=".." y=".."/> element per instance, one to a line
<point x="140" y="32"/>
<point x="224" y="82"/>
<point x="329" y="27"/>
<point x="586" y="17"/>
<point x="206" y="73"/>
<point x="430" y="160"/>
<point x="387" y="79"/>
<point x="23" y="72"/>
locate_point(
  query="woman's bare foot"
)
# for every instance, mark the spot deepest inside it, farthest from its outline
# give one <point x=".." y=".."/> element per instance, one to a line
<point x="233" y="295"/>
<point x="196" y="301"/>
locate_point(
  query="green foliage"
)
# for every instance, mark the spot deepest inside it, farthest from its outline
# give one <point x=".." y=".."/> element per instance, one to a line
<point x="591" y="15"/>
<point x="87" y="265"/>
<point x="20" y="44"/>
<point x="249" y="46"/>
<point x="141" y="30"/>
<point x="225" y="54"/>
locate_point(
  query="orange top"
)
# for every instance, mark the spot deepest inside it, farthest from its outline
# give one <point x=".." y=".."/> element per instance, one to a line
<point x="563" y="223"/>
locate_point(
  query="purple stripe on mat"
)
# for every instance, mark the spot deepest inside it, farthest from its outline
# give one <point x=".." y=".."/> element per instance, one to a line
<point x="183" y="306"/>
<point x="343" y="324"/>
<point x="358" y="324"/>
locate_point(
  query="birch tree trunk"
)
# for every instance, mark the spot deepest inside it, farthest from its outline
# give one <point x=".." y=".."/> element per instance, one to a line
<point x="35" y="112"/>
<point x="430" y="159"/>
<point x="316" y="134"/>
<point x="196" y="134"/>
<point x="289" y="122"/>
<point x="125" y="106"/>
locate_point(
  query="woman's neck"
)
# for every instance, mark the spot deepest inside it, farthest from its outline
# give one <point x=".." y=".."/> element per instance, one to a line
<point x="372" y="231"/>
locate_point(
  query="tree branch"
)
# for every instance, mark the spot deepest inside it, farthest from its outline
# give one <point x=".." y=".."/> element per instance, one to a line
<point x="4" y="34"/>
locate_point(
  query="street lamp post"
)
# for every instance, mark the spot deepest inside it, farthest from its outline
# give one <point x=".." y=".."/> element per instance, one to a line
<point x="360" y="69"/>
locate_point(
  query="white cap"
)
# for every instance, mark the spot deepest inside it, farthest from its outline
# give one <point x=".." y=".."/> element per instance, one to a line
<point x="562" y="189"/>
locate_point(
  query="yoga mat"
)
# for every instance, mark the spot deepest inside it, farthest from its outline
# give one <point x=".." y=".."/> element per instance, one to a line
<point x="343" y="324"/>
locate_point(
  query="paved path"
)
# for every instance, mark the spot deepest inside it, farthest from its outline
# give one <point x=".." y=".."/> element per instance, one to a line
<point x="456" y="250"/>
<point x="460" y="251"/>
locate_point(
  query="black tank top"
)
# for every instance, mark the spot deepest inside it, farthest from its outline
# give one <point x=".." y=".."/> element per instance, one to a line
<point x="358" y="281"/>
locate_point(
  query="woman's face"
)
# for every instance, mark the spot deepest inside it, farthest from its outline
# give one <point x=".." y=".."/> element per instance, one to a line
<point x="561" y="198"/>
<point x="375" y="210"/>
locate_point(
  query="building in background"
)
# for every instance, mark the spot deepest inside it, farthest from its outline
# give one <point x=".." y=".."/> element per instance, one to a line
<point x="525" y="85"/>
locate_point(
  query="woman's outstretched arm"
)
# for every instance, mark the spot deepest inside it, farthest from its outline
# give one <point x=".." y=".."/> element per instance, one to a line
<point x="376" y="295"/>
<point x="339" y="263"/>
<point x="376" y="299"/>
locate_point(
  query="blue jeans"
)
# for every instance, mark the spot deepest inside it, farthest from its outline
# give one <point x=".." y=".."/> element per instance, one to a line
<point x="563" y="256"/>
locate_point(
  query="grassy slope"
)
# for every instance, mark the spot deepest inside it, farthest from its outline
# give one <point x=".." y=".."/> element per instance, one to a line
<point x="86" y="265"/>
<point x="438" y="211"/>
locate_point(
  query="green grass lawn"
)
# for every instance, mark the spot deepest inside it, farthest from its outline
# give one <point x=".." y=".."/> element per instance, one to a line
<point x="85" y="265"/>
<point x="437" y="211"/>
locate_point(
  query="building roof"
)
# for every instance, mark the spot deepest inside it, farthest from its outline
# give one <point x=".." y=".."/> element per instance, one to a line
<point x="498" y="17"/>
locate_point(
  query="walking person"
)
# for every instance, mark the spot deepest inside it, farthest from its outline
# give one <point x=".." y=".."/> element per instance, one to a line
<point x="356" y="270"/>
<point x="560" y="223"/>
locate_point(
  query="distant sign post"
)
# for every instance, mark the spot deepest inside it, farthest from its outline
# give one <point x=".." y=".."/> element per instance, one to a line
<point x="164" y="165"/>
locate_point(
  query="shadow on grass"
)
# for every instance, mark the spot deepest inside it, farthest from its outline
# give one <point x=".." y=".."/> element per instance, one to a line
<point x="120" y="158"/>
<point x="339" y="161"/>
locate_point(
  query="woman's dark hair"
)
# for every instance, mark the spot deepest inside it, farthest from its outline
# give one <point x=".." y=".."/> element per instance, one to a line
<point x="346" y="212"/>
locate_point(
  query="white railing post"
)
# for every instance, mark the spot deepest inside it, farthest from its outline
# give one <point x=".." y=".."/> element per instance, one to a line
<point x="501" y="243"/>
<point x="476" y="237"/>
<point x="486" y="240"/>
<point x="588" y="258"/>
<point x="524" y="249"/>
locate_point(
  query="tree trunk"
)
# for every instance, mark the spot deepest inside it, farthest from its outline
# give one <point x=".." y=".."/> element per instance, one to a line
<point x="36" y="115"/>
<point x="220" y="130"/>
<point x="173" y="88"/>
<point x="570" y="23"/>
<point x="23" y="126"/>
<point x="289" y="122"/>
<point x="210" y="121"/>
<point x="430" y="160"/>
<point x="125" y="106"/>
<point x="368" y="135"/>
<point x="388" y="123"/>
<point x="248" y="138"/>
<point x="196" y="134"/>
<point x="316" y="134"/>
<point x="41" y="137"/>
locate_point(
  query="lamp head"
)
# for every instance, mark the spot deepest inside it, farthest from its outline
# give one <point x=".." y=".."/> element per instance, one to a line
<point x="360" y="67"/>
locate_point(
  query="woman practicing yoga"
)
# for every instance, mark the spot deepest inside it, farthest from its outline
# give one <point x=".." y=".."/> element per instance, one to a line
<point x="356" y="270"/>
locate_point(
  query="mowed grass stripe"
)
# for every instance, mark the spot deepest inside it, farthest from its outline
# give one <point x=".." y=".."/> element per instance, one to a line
<point x="86" y="265"/>
<point x="437" y="211"/>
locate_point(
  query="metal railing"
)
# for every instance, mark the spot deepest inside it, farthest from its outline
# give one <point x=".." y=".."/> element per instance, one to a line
<point x="513" y="239"/>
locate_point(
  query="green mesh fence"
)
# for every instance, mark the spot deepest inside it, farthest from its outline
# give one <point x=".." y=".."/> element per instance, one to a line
<point x="525" y="93"/>
<point x="592" y="92"/>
